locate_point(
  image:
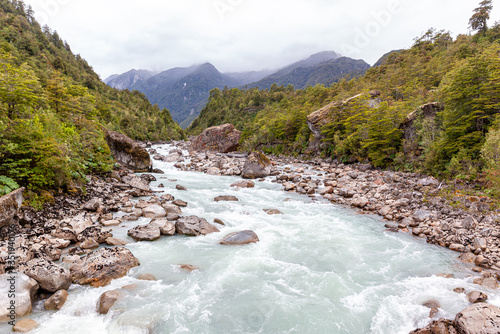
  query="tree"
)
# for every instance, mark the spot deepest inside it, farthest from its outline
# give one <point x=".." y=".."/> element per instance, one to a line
<point x="18" y="84"/>
<point x="478" y="21"/>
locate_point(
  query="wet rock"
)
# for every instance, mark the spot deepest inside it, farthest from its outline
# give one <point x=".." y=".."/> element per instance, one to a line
<point x="107" y="300"/>
<point x="113" y="222"/>
<point x="434" y="305"/>
<point x="128" y="153"/>
<point x="180" y="203"/>
<point x="50" y="276"/>
<point x="179" y="187"/>
<point x="24" y="326"/>
<point x="188" y="267"/>
<point x="479" y="318"/>
<point x="145" y="233"/>
<point x="154" y="211"/>
<point x="213" y="171"/>
<point x="89" y="244"/>
<point x="166" y="227"/>
<point x="457" y="247"/>
<point x="226" y="199"/>
<point x="194" y="226"/>
<point x="172" y="157"/>
<point x="243" y="184"/>
<point x="476" y="297"/>
<point x="100" y="267"/>
<point x="441" y="326"/>
<point x="240" y="238"/>
<point x="146" y="277"/>
<point x="112" y="241"/>
<point x="256" y="166"/>
<point x="487" y="282"/>
<point x="326" y="190"/>
<point x="171" y="209"/>
<point x="56" y="301"/>
<point x="272" y="211"/>
<point x="26" y="290"/>
<point x="459" y="290"/>
<point x="148" y="177"/>
<point x="218" y="221"/>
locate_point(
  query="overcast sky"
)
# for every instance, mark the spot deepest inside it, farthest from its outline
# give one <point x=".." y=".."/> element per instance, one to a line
<point x="115" y="36"/>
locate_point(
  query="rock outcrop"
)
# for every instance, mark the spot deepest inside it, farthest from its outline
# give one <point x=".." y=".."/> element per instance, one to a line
<point x="128" y="153"/>
<point x="222" y="139"/>
<point x="9" y="204"/>
<point x="100" y="267"/>
<point x="256" y="166"/>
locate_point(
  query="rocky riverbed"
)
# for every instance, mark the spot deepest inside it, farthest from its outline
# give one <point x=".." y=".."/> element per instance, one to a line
<point x="60" y="246"/>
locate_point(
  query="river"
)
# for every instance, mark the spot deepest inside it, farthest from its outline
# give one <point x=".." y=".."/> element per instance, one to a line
<point x="318" y="268"/>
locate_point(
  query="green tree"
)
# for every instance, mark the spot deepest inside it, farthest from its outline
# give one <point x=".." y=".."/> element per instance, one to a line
<point x="479" y="19"/>
<point x="18" y="84"/>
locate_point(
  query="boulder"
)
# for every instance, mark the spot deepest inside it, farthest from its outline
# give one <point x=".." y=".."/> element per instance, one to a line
<point x="112" y="241"/>
<point x="93" y="205"/>
<point x="180" y="203"/>
<point x="479" y="318"/>
<point x="347" y="192"/>
<point x="100" y="267"/>
<point x="171" y="209"/>
<point x="226" y="199"/>
<point x="222" y="139"/>
<point x="421" y="215"/>
<point x="428" y="182"/>
<point x="56" y="301"/>
<point x="50" y="276"/>
<point x="26" y="289"/>
<point x="166" y="227"/>
<point x="476" y="297"/>
<point x="256" y="166"/>
<point x="136" y="182"/>
<point x="194" y="226"/>
<point x="128" y="153"/>
<point x="240" y="238"/>
<point x="360" y="202"/>
<point x="9" y="205"/>
<point x="94" y="232"/>
<point x="147" y="277"/>
<point x="154" y="211"/>
<point x="145" y="233"/>
<point x="107" y="300"/>
<point x="244" y="184"/>
<point x="24" y="326"/>
<point x="441" y="326"/>
<point x="89" y="244"/>
<point x="272" y="211"/>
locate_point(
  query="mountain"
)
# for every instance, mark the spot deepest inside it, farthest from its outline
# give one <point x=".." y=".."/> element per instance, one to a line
<point x="321" y="68"/>
<point x="243" y="78"/>
<point x="182" y="90"/>
<point x="128" y="80"/>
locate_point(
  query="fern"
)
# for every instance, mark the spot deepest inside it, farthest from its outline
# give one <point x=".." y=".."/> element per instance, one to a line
<point x="7" y="185"/>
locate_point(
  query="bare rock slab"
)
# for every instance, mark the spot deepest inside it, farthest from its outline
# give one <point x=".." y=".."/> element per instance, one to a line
<point x="479" y="318"/>
<point x="100" y="267"/>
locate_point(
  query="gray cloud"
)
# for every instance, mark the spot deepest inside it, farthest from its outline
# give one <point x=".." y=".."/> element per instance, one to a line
<point x="236" y="35"/>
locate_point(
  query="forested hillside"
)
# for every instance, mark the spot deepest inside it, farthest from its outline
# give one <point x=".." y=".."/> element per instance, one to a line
<point x="378" y="117"/>
<point x="54" y="109"/>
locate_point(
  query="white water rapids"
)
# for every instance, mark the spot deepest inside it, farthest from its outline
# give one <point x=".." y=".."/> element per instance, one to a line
<point x="318" y="268"/>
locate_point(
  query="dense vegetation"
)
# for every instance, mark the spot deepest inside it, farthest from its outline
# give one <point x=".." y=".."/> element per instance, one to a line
<point x="54" y="109"/>
<point x="462" y="140"/>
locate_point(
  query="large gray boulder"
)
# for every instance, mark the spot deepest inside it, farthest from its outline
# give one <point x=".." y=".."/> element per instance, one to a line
<point x="26" y="289"/>
<point x="481" y="318"/>
<point x="222" y="138"/>
<point x="240" y="238"/>
<point x="128" y="153"/>
<point x="256" y="166"/>
<point x="100" y="267"/>
<point x="154" y="211"/>
<point x="194" y="226"/>
<point x="9" y="205"/>
<point x="50" y="276"/>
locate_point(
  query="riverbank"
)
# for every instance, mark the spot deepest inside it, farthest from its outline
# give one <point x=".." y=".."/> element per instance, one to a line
<point x="109" y="202"/>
